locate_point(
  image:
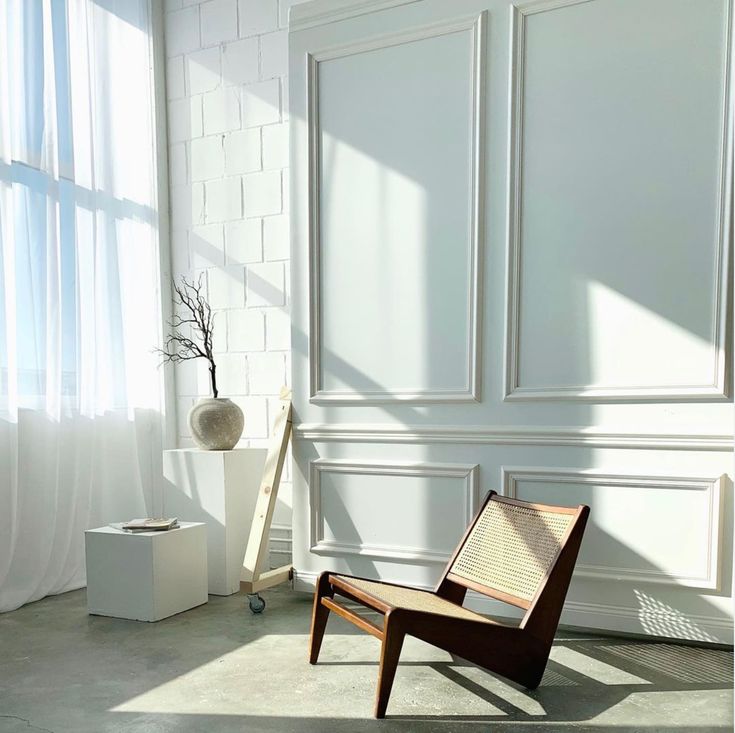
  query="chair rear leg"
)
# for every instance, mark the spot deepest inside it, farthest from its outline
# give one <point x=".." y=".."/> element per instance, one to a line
<point x="319" y="616"/>
<point x="389" y="654"/>
<point x="534" y="675"/>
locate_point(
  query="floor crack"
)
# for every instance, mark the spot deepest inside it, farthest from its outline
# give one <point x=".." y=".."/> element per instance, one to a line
<point x="27" y="722"/>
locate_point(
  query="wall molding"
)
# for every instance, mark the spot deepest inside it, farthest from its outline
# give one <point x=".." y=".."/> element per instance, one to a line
<point x="713" y="487"/>
<point x="659" y="622"/>
<point x="477" y="24"/>
<point x="469" y="473"/>
<point x="322" y="12"/>
<point x="504" y="435"/>
<point x="719" y="388"/>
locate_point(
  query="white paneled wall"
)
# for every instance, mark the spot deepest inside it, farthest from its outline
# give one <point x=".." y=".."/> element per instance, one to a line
<point x="226" y="65"/>
<point x="510" y="254"/>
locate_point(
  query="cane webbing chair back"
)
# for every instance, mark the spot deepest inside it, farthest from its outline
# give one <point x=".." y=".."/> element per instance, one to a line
<point x="514" y="551"/>
<point x="510" y="549"/>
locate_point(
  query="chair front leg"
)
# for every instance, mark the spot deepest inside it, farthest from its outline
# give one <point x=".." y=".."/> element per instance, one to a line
<point x="319" y="616"/>
<point x="394" y="633"/>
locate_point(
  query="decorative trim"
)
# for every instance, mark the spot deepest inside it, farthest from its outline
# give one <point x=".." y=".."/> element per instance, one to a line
<point x="500" y="435"/>
<point x="314" y="250"/>
<point x="674" y="393"/>
<point x="720" y="387"/>
<point x="712" y="486"/>
<point x="664" y="622"/>
<point x="322" y="12"/>
<point x="542" y="6"/>
<point x="478" y="26"/>
<point x="469" y="473"/>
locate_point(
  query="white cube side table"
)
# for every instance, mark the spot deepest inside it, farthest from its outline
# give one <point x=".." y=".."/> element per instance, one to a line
<point x="219" y="488"/>
<point x="146" y="576"/>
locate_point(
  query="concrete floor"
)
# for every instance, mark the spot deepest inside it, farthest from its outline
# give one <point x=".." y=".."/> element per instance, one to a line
<point x="219" y="668"/>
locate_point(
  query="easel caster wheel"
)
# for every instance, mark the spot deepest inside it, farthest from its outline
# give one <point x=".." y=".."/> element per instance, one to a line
<point x="256" y="603"/>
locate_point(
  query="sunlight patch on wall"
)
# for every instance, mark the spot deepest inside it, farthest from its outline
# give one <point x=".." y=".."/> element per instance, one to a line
<point x="381" y="220"/>
<point x="630" y="344"/>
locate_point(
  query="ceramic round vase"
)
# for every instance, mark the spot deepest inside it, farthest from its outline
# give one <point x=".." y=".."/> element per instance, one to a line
<point x="216" y="423"/>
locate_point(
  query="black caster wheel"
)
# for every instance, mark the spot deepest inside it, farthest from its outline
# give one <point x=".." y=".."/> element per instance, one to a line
<point x="256" y="603"/>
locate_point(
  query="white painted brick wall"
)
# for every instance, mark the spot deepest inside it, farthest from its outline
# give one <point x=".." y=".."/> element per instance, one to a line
<point x="226" y="66"/>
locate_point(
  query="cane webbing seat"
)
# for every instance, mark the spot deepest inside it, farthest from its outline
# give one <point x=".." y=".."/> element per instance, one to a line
<point x="412" y="599"/>
<point x="514" y="552"/>
<point x="511" y="548"/>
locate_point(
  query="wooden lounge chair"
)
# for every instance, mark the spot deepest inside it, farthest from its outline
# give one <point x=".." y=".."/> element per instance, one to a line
<point x="516" y="552"/>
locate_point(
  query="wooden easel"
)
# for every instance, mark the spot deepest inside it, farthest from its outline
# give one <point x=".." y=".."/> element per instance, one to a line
<point x="251" y="579"/>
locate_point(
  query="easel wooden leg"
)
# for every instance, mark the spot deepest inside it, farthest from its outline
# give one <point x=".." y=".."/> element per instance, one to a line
<point x="251" y="579"/>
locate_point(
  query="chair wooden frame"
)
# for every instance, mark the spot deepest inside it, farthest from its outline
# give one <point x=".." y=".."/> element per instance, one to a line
<point x="517" y="652"/>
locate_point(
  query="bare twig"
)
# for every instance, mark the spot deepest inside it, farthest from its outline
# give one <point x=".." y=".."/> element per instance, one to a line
<point x="198" y="318"/>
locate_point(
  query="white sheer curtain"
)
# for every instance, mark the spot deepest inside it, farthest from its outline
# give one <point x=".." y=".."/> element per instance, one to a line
<point x="80" y="392"/>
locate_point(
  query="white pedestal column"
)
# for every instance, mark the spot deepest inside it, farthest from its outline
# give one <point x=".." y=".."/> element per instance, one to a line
<point x="218" y="488"/>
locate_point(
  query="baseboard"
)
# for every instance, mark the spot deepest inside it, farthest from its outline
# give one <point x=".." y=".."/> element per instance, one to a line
<point x="661" y="622"/>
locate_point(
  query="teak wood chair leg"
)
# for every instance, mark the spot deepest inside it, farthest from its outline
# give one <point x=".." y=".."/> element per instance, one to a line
<point x="319" y="617"/>
<point x="389" y="653"/>
<point x="516" y="652"/>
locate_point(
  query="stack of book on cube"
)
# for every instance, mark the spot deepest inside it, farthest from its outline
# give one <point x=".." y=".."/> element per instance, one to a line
<point x="150" y="525"/>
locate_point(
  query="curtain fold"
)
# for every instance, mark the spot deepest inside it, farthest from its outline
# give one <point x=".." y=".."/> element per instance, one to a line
<point x="80" y="391"/>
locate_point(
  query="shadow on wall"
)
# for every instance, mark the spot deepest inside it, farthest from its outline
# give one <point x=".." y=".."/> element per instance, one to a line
<point x="589" y="280"/>
<point x="593" y="290"/>
<point x="651" y="607"/>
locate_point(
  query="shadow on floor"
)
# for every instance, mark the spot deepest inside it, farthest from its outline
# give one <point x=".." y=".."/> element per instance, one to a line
<point x="219" y="668"/>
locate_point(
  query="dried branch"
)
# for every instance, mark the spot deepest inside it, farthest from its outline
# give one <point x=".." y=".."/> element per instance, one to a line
<point x="198" y="318"/>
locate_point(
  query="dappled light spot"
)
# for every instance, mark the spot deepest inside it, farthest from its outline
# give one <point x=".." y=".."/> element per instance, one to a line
<point x="552" y="678"/>
<point x="685" y="664"/>
<point x="660" y="619"/>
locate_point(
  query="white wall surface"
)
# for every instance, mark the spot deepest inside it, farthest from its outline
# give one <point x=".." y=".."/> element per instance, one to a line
<point x="226" y="80"/>
<point x="565" y="411"/>
<point x="510" y="254"/>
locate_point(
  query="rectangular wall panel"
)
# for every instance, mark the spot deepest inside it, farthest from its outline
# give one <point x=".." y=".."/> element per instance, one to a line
<point x="657" y="529"/>
<point x="618" y="193"/>
<point x="390" y="510"/>
<point x="396" y="232"/>
<point x="511" y="227"/>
